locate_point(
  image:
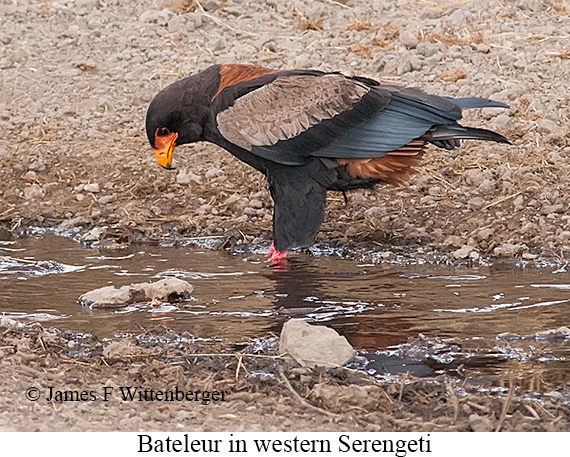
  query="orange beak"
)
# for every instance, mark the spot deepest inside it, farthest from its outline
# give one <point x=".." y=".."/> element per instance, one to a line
<point x="164" y="148"/>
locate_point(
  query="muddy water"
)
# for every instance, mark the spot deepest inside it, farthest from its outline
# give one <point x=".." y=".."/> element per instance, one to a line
<point x="481" y="320"/>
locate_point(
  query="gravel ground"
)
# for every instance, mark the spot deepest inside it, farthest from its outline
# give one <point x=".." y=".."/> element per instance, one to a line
<point x="77" y="77"/>
<point x="281" y="397"/>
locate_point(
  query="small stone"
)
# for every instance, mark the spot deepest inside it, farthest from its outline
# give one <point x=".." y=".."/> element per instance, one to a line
<point x="484" y="233"/>
<point x="503" y="121"/>
<point x="476" y="203"/>
<point x="453" y="240"/>
<point x="463" y="252"/>
<point x="213" y="173"/>
<point x="554" y="157"/>
<point x="427" y="49"/>
<point x="551" y="209"/>
<point x="409" y="39"/>
<point x="256" y="204"/>
<point x="87" y="4"/>
<point x="106" y="297"/>
<point x="435" y="191"/>
<point x="518" y="202"/>
<point x="556" y="396"/>
<point x="314" y="345"/>
<point x="509" y="250"/>
<point x="546" y="126"/>
<point x="168" y="289"/>
<point x="205" y="209"/>
<point x="30" y="176"/>
<point x="405" y="65"/>
<point x="92" y="187"/>
<point x="213" y="5"/>
<point x="483" y="48"/>
<point x="487" y="187"/>
<point x="561" y="333"/>
<point x="34" y="191"/>
<point x="375" y="212"/>
<point x="151" y="16"/>
<point x="94" y="234"/>
<point x="480" y="423"/>
<point x="124" y="349"/>
<point x="37" y="165"/>
<point x="105" y="199"/>
<point x="183" y="178"/>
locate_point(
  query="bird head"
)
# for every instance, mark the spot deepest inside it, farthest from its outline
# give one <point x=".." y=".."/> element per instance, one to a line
<point x="176" y="116"/>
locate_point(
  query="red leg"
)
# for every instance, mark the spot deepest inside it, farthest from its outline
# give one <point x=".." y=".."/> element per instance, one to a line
<point x="276" y="256"/>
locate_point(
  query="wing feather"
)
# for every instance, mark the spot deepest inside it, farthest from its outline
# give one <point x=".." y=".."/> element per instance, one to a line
<point x="293" y="103"/>
<point x="298" y="115"/>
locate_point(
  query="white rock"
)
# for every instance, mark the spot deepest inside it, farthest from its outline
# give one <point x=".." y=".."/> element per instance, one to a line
<point x="92" y="187"/>
<point x="312" y="345"/>
<point x="167" y="289"/>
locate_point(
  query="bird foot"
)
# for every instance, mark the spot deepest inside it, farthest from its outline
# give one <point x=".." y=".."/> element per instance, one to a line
<point x="276" y="256"/>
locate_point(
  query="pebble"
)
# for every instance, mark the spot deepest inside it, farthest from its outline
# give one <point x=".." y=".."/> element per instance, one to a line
<point x="550" y="209"/>
<point x="476" y="203"/>
<point x="509" y="250"/>
<point x="183" y="178"/>
<point x="37" y="165"/>
<point x="92" y="187"/>
<point x="256" y="204"/>
<point x="105" y="199"/>
<point x="94" y="234"/>
<point x="168" y="289"/>
<point x="547" y="126"/>
<point x="453" y="240"/>
<point x="480" y="423"/>
<point x="314" y="345"/>
<point x="503" y="122"/>
<point x="463" y="252"/>
<point x="213" y="173"/>
<point x="409" y="39"/>
<point x="34" y="192"/>
<point x="484" y="233"/>
<point x="87" y="4"/>
<point x="375" y="212"/>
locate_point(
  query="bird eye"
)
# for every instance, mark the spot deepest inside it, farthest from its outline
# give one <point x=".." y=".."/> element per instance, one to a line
<point x="162" y="131"/>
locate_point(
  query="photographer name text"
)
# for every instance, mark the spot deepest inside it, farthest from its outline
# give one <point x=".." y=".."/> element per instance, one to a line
<point x="131" y="393"/>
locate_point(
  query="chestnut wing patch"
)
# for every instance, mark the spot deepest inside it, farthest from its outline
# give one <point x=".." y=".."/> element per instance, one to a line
<point x="232" y="74"/>
<point x="287" y="107"/>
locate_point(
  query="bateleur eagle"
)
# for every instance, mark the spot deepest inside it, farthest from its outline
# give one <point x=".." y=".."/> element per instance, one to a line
<point x="308" y="132"/>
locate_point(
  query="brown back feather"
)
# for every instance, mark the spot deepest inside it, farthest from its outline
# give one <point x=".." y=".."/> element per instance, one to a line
<point x="236" y="73"/>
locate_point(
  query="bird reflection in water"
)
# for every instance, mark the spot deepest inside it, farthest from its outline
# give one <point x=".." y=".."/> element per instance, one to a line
<point x="361" y="312"/>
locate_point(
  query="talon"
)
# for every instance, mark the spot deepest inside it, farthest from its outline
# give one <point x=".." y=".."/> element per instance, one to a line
<point x="276" y="256"/>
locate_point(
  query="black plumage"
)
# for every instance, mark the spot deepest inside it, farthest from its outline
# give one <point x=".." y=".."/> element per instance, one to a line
<point x="308" y="132"/>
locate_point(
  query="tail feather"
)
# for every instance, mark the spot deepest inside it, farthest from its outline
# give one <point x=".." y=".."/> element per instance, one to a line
<point x="476" y="102"/>
<point x="447" y="136"/>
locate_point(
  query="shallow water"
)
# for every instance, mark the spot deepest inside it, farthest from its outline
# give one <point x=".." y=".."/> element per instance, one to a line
<point x="482" y="321"/>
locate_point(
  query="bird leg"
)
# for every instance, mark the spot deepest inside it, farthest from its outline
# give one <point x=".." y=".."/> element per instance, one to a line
<point x="276" y="256"/>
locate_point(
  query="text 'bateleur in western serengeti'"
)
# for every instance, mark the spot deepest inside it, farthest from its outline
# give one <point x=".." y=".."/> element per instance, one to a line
<point x="308" y="132"/>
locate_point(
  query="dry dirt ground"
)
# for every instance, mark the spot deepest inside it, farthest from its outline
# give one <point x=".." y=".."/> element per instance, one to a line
<point x="262" y="392"/>
<point x="76" y="79"/>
